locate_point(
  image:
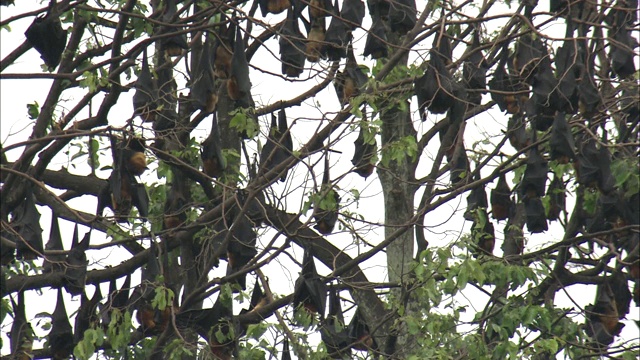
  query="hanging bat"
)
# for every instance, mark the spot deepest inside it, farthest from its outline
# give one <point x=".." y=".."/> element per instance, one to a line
<point x="621" y="51"/>
<point x="519" y="138"/>
<point x="310" y="291"/>
<point x="326" y="211"/>
<point x="630" y="102"/>
<point x="602" y="317"/>
<point x="6" y="2"/>
<point x="586" y="164"/>
<point x="60" y="337"/>
<point x="507" y="90"/>
<point x="376" y="43"/>
<point x="223" y="50"/>
<point x="535" y="216"/>
<point x="203" y="321"/>
<point x="146" y="95"/>
<point x="365" y="151"/>
<point x="476" y="201"/>
<point x="258" y="299"/>
<point x="402" y="16"/>
<point x="241" y="249"/>
<point x="529" y="52"/>
<point x="203" y="89"/>
<point x="292" y="47"/>
<point x="273" y="6"/>
<point x="352" y="13"/>
<point x="133" y="156"/>
<point x="214" y="162"/>
<point x="239" y="84"/>
<point x="542" y="105"/>
<point x="334" y="332"/>
<point x="54" y="262"/>
<point x="176" y="204"/>
<point x="557" y="198"/>
<point x="561" y="142"/>
<point x="27" y="225"/>
<point x="336" y="38"/>
<point x="75" y="272"/>
<point x="474" y="71"/>
<point x="588" y="95"/>
<point x="483" y="234"/>
<point x="152" y="320"/>
<point x="116" y="299"/>
<point x="223" y="334"/>
<point x="378" y="8"/>
<point x="279" y="144"/>
<point x="359" y="333"/>
<point x="350" y="82"/>
<point x="315" y="39"/>
<point x="534" y="180"/>
<point x="173" y="45"/>
<point x="87" y="316"/>
<point x="286" y="353"/>
<point x="255" y="208"/>
<point x="606" y="181"/>
<point x="459" y="166"/>
<point x="319" y="9"/>
<point x="21" y="334"/>
<point x="502" y="205"/>
<point x="46" y="35"/>
<point x="435" y="88"/>
<point x="567" y="72"/>
<point x="621" y="293"/>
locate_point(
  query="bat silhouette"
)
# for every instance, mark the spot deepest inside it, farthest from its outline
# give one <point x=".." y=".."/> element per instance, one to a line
<point x="273" y="6"/>
<point x="223" y="50"/>
<point x="474" y="71"/>
<point x="319" y="9"/>
<point x="567" y="72"/>
<point x="152" y="320"/>
<point x="534" y="179"/>
<point x="360" y="334"/>
<point x="173" y="45"/>
<point x="507" y="90"/>
<point x="240" y="249"/>
<point x="352" y="13"/>
<point x="21" y="334"/>
<point x="351" y="81"/>
<point x="529" y="52"/>
<point x="630" y="102"/>
<point x="542" y="105"/>
<point x="557" y="198"/>
<point x="334" y="332"/>
<point x="286" y="353"/>
<point x="519" y="138"/>
<point x="586" y="163"/>
<point x="255" y="208"/>
<point x="27" y="225"/>
<point x="87" y="314"/>
<point x="54" y="262"/>
<point x="501" y="203"/>
<point x="214" y="162"/>
<point x="402" y="15"/>
<point x="239" y="84"/>
<point x="203" y="90"/>
<point x="536" y="219"/>
<point x="588" y="95"/>
<point x="46" y="35"/>
<point x="258" y="299"/>
<point x="365" y="151"/>
<point x="476" y="201"/>
<point x="315" y="39"/>
<point x="117" y="299"/>
<point x="621" y="49"/>
<point x="292" y="47"/>
<point x="337" y="37"/>
<point x="376" y="42"/>
<point x="602" y="317"/>
<point x="61" y="335"/>
<point x="310" y="290"/>
<point x="279" y="144"/>
<point x="326" y="212"/>
<point x="459" y="166"/>
<point x="483" y="234"/>
<point x="561" y="143"/>
<point x="176" y="204"/>
<point x="146" y="95"/>
<point x="435" y="88"/>
<point x="75" y="273"/>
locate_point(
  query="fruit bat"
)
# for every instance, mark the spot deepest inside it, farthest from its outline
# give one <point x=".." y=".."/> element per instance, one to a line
<point x="214" y="162"/>
<point x="21" y="334"/>
<point x="176" y="204"/>
<point x="365" y="151"/>
<point x="517" y="132"/>
<point x="133" y="155"/>
<point x="273" y="6"/>
<point x="203" y="89"/>
<point x="561" y="142"/>
<point x="315" y="39"/>
<point x="223" y="50"/>
<point x="351" y="81"/>
<point x="26" y="223"/>
<point x="87" y="316"/>
<point x="459" y="166"/>
<point x="46" y="35"/>
<point x="54" y="262"/>
<point x="239" y="84"/>
<point x="319" y="9"/>
<point x="167" y="118"/>
<point x="621" y="51"/>
<point x="337" y="37"/>
<point x="621" y="293"/>
<point x="116" y="299"/>
<point x="535" y="216"/>
<point x="602" y="317"/>
<point x="60" y="337"/>
<point x="7" y="2"/>
<point x="360" y="334"/>
<point x="378" y="8"/>
<point x="435" y="88"/>
<point x="146" y="95"/>
<point x="483" y="234"/>
<point x="255" y="209"/>
<point x="75" y="273"/>
<point x="352" y="13"/>
<point x="567" y="71"/>
<point x="630" y="102"/>
<point x="152" y="320"/>
<point x="402" y="15"/>
<point x="542" y="105"/>
<point x="334" y="332"/>
<point x="310" y="290"/>
<point x="502" y="205"/>
<point x="203" y="321"/>
<point x="286" y="353"/>
<point x="586" y="163"/>
<point x="476" y="201"/>
<point x="534" y="180"/>
<point x="292" y="47"/>
<point x="258" y="298"/>
<point x="241" y="248"/>
<point x="606" y="181"/>
<point x="474" y="71"/>
<point x="279" y="144"/>
<point x="326" y="210"/>
<point x="376" y="43"/>
<point x="173" y="45"/>
<point x="529" y="52"/>
<point x="588" y="95"/>
<point x="507" y="90"/>
<point x="557" y="198"/>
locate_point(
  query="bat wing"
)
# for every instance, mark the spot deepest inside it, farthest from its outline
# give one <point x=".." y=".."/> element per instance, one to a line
<point x="536" y="219"/>
<point x="292" y="47"/>
<point x="557" y="198"/>
<point x="140" y="199"/>
<point x="561" y="143"/>
<point x="53" y="262"/>
<point x="336" y="38"/>
<point x="376" y="42"/>
<point x="352" y="13"/>
<point x="534" y="180"/>
<point x="402" y="15"/>
<point x="61" y="334"/>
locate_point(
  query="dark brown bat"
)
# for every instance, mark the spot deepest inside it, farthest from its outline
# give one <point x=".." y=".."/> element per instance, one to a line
<point x="365" y="151"/>
<point x="173" y="45"/>
<point x="378" y="8"/>
<point x="310" y="290"/>
<point x="534" y="180"/>
<point x="6" y="2"/>
<point x="152" y="320"/>
<point x="46" y="35"/>
<point x="588" y="95"/>
<point x="117" y="299"/>
<point x="241" y="248"/>
<point x="621" y="50"/>
<point x="204" y="321"/>
<point x="360" y="334"/>
<point x="536" y="219"/>
<point x="402" y="16"/>
<point x="586" y="164"/>
<point x="21" y="334"/>
<point x="326" y="212"/>
<point x="292" y="47"/>
<point x="175" y="206"/>
<point x="557" y="198"/>
<point x="279" y="143"/>
<point x="255" y="208"/>
<point x="315" y="39"/>
<point x="476" y="201"/>
<point x="337" y="37"/>
<point x="483" y="234"/>
<point x="517" y="132"/>
<point x="567" y="72"/>
<point x="286" y="353"/>
<point x="319" y="9"/>
<point x="26" y="222"/>
<point x="603" y="321"/>
<point x="334" y="332"/>
<point x="203" y="90"/>
<point x="630" y="101"/>
<point x="146" y="96"/>
<point x="75" y="272"/>
<point x="223" y="50"/>
<point x="239" y="84"/>
<point x="54" y="262"/>
<point x="60" y="337"/>
<point x="351" y="81"/>
<point x="502" y="205"/>
<point x="376" y="43"/>
<point x="474" y="71"/>
<point x="87" y="316"/>
<point x="542" y="105"/>
<point x="273" y="6"/>
<point x="352" y="13"/>
<point x="223" y="333"/>
<point x="621" y="294"/>
<point x="561" y="143"/>
<point x="214" y="162"/>
<point x="528" y="55"/>
<point x="606" y="181"/>
<point x="459" y="166"/>
<point x="435" y="88"/>
<point x="508" y="91"/>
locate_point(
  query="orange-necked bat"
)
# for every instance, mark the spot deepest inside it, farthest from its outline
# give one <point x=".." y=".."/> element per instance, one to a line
<point x="315" y="39"/>
<point x="173" y="45"/>
<point x="273" y="6"/>
<point x="146" y="95"/>
<point x="223" y="50"/>
<point x="87" y="316"/>
<point x="352" y="13"/>
<point x="561" y="143"/>
<point x="359" y="333"/>
<point x="292" y="47"/>
<point x="517" y="132"/>
<point x="310" y="290"/>
<point x="239" y="84"/>
<point x="27" y="224"/>
<point x="536" y="219"/>
<point x="334" y="332"/>
<point x="319" y="9"/>
<point x="223" y="333"/>
<point x="175" y="206"/>
<point x="507" y="90"/>
<point x="474" y="71"/>
<point x="258" y="298"/>
<point x="21" y="334"/>
<point x="53" y="263"/>
<point x="502" y="205"/>
<point x="337" y="37"/>
<point x="133" y="156"/>
<point x="279" y="144"/>
<point x="402" y="16"/>
<point x="60" y="337"/>
<point x="351" y="81"/>
<point x="203" y="321"/>
<point x="152" y="320"/>
<point x="435" y="88"/>
<point x="241" y="248"/>
<point x="326" y="211"/>
<point x="483" y="234"/>
<point x="534" y="180"/>
<point x="46" y="35"/>
<point x="376" y="43"/>
<point x="602" y="318"/>
<point x="286" y="353"/>
<point x="365" y="151"/>
<point x="213" y="161"/>
<point x="75" y="272"/>
<point x="557" y="198"/>
<point x="203" y="90"/>
<point x="476" y="201"/>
